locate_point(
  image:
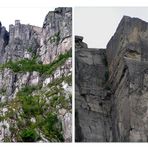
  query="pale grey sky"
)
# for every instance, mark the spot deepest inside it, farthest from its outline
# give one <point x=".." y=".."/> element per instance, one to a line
<point x="27" y="15"/>
<point x="98" y="24"/>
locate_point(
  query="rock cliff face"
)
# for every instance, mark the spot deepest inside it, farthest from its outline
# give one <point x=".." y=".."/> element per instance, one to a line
<point x="35" y="80"/>
<point x="93" y="104"/>
<point x="111" y="86"/>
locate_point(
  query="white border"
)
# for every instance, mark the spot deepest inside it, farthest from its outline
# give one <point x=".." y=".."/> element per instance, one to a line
<point x="73" y="79"/>
<point x="73" y="3"/>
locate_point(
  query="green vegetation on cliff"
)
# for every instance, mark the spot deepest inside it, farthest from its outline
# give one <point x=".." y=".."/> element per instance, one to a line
<point x="35" y="108"/>
<point x="27" y="65"/>
<point x="55" y="38"/>
<point x="33" y="116"/>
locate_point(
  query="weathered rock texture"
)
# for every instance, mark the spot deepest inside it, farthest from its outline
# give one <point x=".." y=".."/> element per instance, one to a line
<point x="93" y="106"/>
<point x="35" y="80"/>
<point x="111" y="86"/>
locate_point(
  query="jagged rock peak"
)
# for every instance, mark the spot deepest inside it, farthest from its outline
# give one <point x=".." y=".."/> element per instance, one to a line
<point x="4" y="36"/>
<point x="131" y="32"/>
<point x="127" y="23"/>
<point x="17" y="22"/>
<point x="128" y="18"/>
<point x="23" y="32"/>
<point x="78" y="38"/>
<point x="57" y="13"/>
<point x="79" y="42"/>
<point x="62" y="10"/>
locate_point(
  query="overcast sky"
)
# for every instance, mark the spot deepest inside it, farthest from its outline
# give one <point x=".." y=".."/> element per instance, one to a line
<point x="27" y="15"/>
<point x="98" y="24"/>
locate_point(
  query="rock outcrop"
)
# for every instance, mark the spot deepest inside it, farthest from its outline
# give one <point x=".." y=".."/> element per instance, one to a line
<point x="124" y="93"/>
<point x="35" y="80"/>
<point x="93" y="107"/>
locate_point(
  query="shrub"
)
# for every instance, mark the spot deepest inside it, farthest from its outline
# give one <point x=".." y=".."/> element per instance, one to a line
<point x="30" y="104"/>
<point x="30" y="49"/>
<point x="53" y="101"/>
<point x="55" y="38"/>
<point x="51" y="129"/>
<point x="29" y="135"/>
<point x="60" y="101"/>
<point x="3" y="91"/>
<point x="27" y="65"/>
<point x="68" y="79"/>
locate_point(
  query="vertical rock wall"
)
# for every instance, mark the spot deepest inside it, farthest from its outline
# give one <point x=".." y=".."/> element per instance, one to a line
<point x="93" y="107"/>
<point x="37" y="62"/>
<point x="126" y="106"/>
<point x="128" y="69"/>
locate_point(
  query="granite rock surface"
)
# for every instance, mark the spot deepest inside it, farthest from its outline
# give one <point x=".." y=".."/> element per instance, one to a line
<point x="111" y="86"/>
